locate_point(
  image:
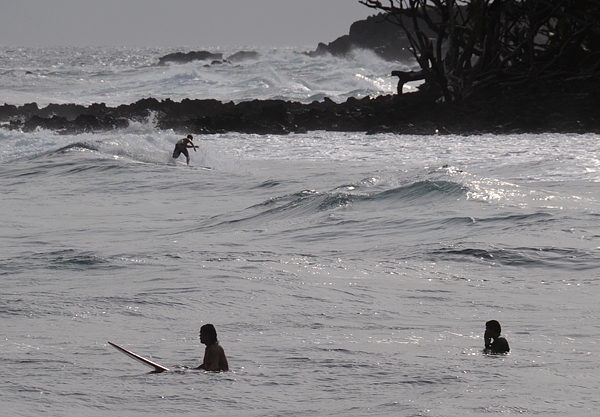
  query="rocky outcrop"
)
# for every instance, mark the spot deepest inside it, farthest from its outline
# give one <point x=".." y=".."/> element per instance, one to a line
<point x="215" y="58"/>
<point x="182" y="58"/>
<point x="536" y="108"/>
<point x="242" y="56"/>
<point x="375" y="33"/>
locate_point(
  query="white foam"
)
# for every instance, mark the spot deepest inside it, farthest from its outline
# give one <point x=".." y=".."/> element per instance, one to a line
<point x="117" y="76"/>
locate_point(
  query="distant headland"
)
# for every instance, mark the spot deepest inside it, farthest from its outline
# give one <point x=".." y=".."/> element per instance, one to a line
<point x="375" y="33"/>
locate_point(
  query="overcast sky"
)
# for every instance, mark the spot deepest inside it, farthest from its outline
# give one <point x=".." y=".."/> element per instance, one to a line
<point x="176" y="22"/>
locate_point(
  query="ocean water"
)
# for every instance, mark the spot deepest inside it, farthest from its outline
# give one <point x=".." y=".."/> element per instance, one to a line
<point x="124" y="75"/>
<point x="346" y="274"/>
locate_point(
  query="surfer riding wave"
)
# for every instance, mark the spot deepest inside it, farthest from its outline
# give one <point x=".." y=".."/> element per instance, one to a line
<point x="181" y="148"/>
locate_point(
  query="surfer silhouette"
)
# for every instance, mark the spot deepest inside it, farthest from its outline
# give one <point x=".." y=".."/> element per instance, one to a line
<point x="494" y="343"/>
<point x="181" y="148"/>
<point x="214" y="355"/>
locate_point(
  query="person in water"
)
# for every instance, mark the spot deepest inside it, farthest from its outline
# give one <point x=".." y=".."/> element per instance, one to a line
<point x="181" y="148"/>
<point x="214" y="355"/>
<point x="494" y="342"/>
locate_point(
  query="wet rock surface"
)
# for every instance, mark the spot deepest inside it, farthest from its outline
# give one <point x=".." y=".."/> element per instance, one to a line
<point x="568" y="107"/>
<point x="183" y="57"/>
<point x="375" y="33"/>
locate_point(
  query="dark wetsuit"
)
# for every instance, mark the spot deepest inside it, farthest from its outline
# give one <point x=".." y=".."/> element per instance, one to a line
<point x="500" y="345"/>
<point x="181" y="148"/>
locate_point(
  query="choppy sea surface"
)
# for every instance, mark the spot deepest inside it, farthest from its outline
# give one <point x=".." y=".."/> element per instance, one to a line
<point x="346" y="274"/>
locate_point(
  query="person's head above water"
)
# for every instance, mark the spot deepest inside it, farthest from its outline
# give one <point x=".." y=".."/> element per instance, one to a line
<point x="190" y="137"/>
<point x="208" y="334"/>
<point x="493" y="326"/>
<point x="494" y="342"/>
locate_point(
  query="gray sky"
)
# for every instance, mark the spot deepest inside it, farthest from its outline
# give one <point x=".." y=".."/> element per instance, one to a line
<point x="176" y="22"/>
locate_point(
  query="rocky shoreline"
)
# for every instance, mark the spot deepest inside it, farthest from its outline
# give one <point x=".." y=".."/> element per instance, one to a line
<point x="562" y="107"/>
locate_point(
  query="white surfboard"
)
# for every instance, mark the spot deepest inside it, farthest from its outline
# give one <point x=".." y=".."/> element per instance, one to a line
<point x="147" y="362"/>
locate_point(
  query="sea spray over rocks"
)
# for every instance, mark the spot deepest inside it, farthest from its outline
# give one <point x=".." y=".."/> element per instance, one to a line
<point x="531" y="109"/>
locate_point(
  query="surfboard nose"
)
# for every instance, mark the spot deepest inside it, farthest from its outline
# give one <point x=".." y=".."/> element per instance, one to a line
<point x="157" y="368"/>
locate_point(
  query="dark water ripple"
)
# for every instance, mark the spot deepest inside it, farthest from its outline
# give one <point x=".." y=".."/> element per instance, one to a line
<point x="307" y="203"/>
<point x="541" y="257"/>
<point x="73" y="259"/>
